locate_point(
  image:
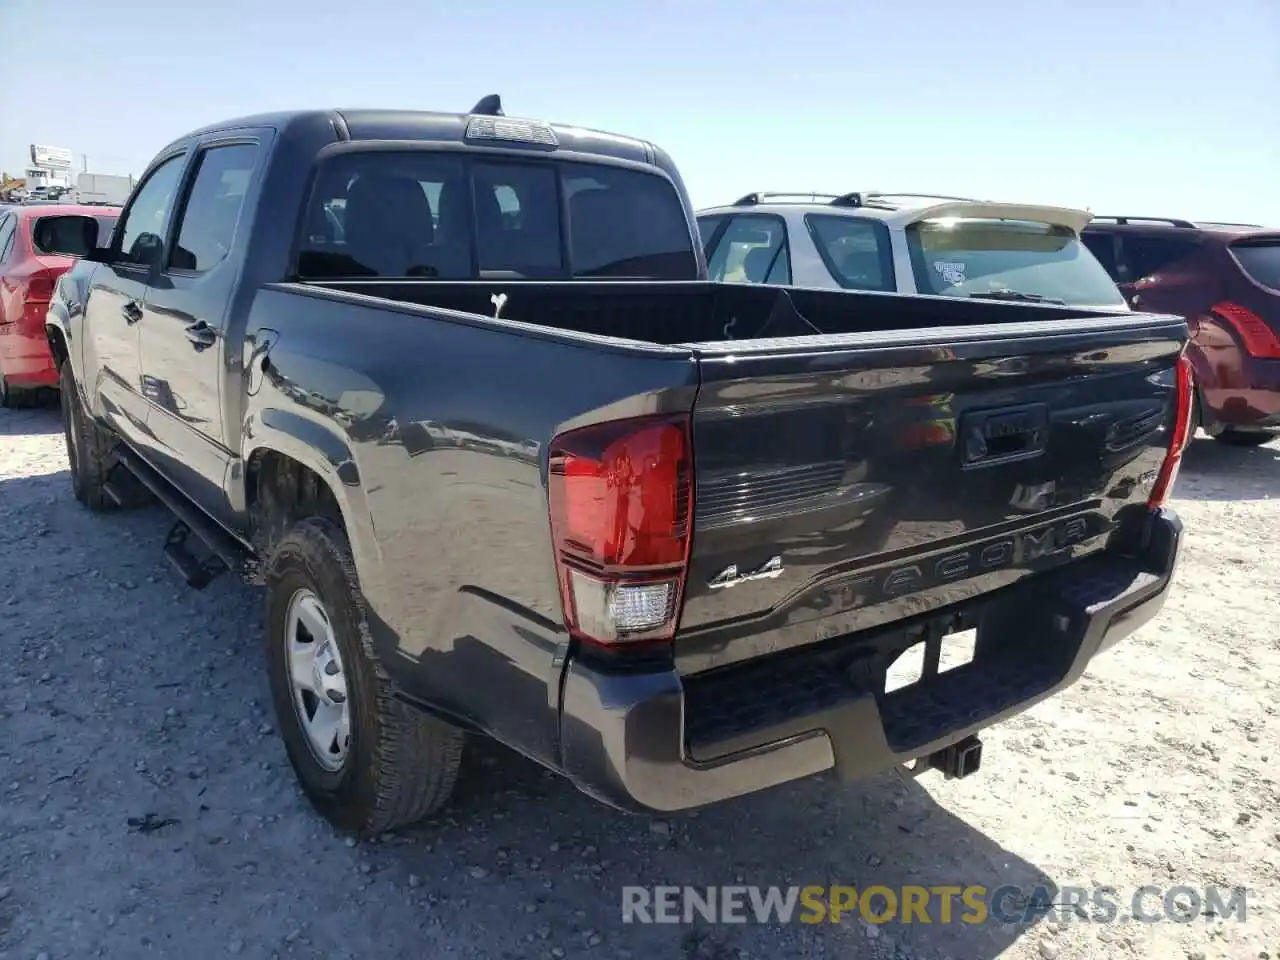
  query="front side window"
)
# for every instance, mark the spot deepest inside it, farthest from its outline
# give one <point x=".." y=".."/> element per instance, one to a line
<point x="954" y="257"/>
<point x="752" y="249"/>
<point x="143" y="239"/>
<point x="213" y="205"/>
<point x="856" y="251"/>
<point x="419" y="214"/>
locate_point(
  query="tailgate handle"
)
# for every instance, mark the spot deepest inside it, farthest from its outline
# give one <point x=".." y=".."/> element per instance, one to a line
<point x="1004" y="434"/>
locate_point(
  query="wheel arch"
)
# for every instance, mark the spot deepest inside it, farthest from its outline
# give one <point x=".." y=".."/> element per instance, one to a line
<point x="286" y="479"/>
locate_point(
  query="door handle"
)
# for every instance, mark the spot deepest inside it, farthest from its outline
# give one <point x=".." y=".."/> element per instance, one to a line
<point x="201" y="334"/>
<point x="132" y="312"/>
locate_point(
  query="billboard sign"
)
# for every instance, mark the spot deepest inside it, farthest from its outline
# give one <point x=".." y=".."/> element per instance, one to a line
<point x="45" y="156"/>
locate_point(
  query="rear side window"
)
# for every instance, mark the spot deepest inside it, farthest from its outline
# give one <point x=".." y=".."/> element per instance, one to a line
<point x="1103" y="247"/>
<point x="1260" y="262"/>
<point x="1144" y="256"/>
<point x="212" y="207"/>
<point x="421" y="214"/>
<point x="752" y="249"/>
<point x="856" y="252"/>
<point x="965" y="258"/>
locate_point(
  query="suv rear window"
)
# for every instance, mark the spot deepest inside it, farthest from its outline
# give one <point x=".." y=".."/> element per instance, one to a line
<point x="441" y="215"/>
<point x="1260" y="261"/>
<point x="959" y="258"/>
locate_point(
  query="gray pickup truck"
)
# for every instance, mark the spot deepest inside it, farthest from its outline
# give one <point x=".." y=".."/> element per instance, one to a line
<point x="454" y="388"/>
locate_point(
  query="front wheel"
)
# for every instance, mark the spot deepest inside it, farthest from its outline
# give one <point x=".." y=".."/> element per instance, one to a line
<point x="368" y="762"/>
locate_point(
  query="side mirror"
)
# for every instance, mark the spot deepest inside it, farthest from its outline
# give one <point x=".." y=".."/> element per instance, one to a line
<point x="66" y="236"/>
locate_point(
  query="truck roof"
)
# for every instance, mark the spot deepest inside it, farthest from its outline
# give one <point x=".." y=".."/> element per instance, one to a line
<point x="424" y="125"/>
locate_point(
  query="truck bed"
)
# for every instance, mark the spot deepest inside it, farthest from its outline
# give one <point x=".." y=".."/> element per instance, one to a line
<point x="702" y="311"/>
<point x="914" y="452"/>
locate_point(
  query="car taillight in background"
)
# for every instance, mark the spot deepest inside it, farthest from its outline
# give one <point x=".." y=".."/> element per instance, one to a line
<point x="1184" y="399"/>
<point x="1255" y="334"/>
<point x="621" y="502"/>
<point x="40" y="286"/>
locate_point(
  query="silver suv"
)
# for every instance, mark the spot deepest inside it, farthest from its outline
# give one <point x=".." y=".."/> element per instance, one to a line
<point x="907" y="243"/>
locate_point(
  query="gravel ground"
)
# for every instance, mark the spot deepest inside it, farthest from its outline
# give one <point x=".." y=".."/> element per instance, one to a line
<point x="147" y="809"/>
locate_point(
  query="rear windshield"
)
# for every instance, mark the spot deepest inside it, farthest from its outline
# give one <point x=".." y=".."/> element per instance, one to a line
<point x="445" y="216"/>
<point x="64" y="234"/>
<point x="1261" y="261"/>
<point x="856" y="252"/>
<point x="961" y="257"/>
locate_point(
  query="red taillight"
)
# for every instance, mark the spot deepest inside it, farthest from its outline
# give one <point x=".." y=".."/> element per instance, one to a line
<point x="40" y="287"/>
<point x="1255" y="333"/>
<point x="621" y="501"/>
<point x="1184" y="399"/>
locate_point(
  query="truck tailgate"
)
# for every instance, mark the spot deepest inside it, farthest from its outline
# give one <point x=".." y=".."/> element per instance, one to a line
<point x="843" y="482"/>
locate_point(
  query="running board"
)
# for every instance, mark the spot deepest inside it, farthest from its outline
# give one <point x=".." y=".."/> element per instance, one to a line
<point x="228" y="553"/>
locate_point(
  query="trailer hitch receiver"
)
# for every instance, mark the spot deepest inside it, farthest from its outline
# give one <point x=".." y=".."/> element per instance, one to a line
<point x="958" y="760"/>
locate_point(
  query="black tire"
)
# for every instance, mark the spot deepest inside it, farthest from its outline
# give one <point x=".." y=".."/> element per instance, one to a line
<point x="401" y="764"/>
<point x="90" y="447"/>
<point x="11" y="397"/>
<point x="1246" y="438"/>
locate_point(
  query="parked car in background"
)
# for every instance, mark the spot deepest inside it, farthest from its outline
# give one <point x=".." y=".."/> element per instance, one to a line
<point x="28" y="273"/>
<point x="1225" y="279"/>
<point x="907" y="243"/>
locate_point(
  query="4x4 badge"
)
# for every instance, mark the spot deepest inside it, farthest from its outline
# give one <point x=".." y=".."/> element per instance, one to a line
<point x="730" y="577"/>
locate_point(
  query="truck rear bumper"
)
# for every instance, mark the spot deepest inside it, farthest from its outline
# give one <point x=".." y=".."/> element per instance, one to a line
<point x="658" y="742"/>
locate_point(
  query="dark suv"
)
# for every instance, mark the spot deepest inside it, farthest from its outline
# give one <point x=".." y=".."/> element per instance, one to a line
<point x="1225" y="279"/>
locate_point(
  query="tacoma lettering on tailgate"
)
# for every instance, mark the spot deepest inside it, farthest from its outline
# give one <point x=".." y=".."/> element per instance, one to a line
<point x="889" y="583"/>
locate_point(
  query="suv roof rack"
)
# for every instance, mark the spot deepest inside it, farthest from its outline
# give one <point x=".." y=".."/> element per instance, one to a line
<point x="1227" y="223"/>
<point x="859" y="198"/>
<point x="881" y="194"/>
<point x="796" y="196"/>
<point x="1172" y="221"/>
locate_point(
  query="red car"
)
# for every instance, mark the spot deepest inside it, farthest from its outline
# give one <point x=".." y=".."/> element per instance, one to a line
<point x="1225" y="279"/>
<point x="27" y="278"/>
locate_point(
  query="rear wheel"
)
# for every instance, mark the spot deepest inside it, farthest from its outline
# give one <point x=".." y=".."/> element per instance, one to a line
<point x="368" y="762"/>
<point x="1246" y="438"/>
<point x="11" y="396"/>
<point x="90" y="447"/>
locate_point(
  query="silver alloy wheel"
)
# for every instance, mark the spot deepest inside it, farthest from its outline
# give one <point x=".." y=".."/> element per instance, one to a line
<point x="317" y="680"/>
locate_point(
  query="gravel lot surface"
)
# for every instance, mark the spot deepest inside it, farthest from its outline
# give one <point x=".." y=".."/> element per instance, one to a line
<point x="147" y="809"/>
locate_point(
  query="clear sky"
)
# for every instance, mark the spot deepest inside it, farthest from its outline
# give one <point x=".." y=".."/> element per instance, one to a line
<point x="1164" y="107"/>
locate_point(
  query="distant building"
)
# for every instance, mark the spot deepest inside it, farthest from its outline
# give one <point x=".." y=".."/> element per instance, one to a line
<point x="50" y="170"/>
